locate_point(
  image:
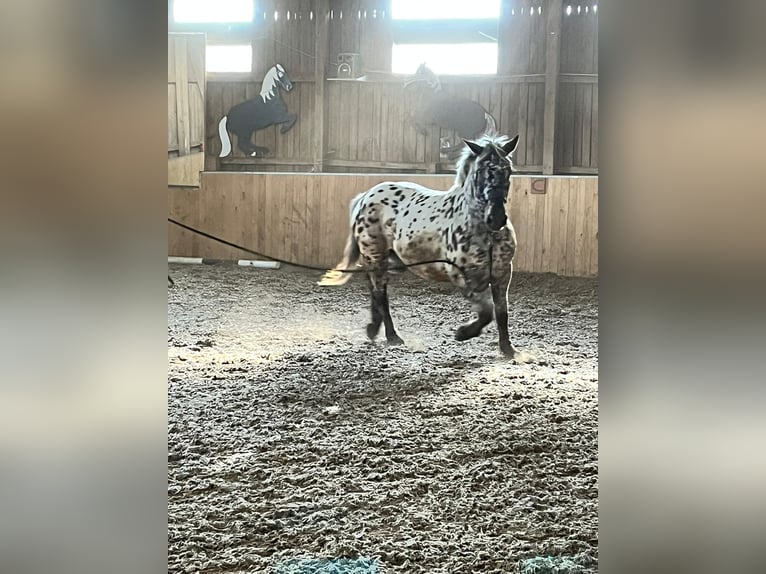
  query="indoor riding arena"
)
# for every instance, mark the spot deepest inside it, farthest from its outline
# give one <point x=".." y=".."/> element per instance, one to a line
<point x="302" y="438"/>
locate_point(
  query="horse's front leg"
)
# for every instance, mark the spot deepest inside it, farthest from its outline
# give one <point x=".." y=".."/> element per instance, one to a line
<point x="483" y="307"/>
<point x="500" y="288"/>
<point x="288" y="122"/>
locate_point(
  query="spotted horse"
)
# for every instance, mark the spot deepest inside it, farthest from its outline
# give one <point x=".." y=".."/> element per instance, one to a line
<point x="463" y="233"/>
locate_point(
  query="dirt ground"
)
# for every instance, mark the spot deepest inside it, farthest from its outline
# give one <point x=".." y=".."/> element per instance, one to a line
<point x="289" y="434"/>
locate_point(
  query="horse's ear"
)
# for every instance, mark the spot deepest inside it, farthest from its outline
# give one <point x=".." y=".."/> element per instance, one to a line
<point x="509" y="146"/>
<point x="475" y="148"/>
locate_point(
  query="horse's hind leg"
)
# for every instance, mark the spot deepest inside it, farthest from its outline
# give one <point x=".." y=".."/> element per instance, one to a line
<point x="380" y="309"/>
<point x="244" y="143"/>
<point x="376" y="317"/>
<point x="500" y="299"/>
<point x="483" y="306"/>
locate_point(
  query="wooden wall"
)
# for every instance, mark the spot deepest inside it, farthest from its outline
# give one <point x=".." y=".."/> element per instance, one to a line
<point x="303" y="218"/>
<point x="186" y="93"/>
<point x="558" y="230"/>
<point x="365" y="124"/>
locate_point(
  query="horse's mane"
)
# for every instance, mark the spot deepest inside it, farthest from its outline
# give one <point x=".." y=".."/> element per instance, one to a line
<point x="467" y="158"/>
<point x="269" y="86"/>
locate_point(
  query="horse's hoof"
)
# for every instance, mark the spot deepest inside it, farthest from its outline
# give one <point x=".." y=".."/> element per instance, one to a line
<point x="512" y="352"/>
<point x="509" y="352"/>
<point x="465" y="332"/>
<point x="372" y="331"/>
<point x="394" y="340"/>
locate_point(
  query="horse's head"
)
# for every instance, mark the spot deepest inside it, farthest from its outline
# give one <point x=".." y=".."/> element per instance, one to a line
<point x="490" y="176"/>
<point x="281" y="78"/>
<point x="424" y="76"/>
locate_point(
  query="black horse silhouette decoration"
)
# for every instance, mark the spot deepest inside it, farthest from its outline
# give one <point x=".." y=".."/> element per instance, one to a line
<point x="251" y="115"/>
<point x="435" y="108"/>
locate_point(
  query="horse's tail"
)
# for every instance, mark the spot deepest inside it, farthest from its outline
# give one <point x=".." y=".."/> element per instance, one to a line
<point x="351" y="253"/>
<point x="225" y="140"/>
<point x="490" y="127"/>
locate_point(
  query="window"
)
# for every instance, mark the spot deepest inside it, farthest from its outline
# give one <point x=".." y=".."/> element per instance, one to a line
<point x="228" y="27"/>
<point x="229" y="58"/>
<point x="444" y="9"/>
<point x="450" y="36"/>
<point x="445" y="58"/>
<point x="207" y="11"/>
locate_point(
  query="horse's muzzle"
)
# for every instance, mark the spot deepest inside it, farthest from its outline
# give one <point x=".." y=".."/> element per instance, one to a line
<point x="495" y="216"/>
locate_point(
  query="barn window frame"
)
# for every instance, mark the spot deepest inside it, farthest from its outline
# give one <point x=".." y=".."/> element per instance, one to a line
<point x="218" y="33"/>
<point x="456" y="26"/>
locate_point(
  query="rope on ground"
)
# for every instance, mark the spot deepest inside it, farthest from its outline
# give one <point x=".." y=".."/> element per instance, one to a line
<point x="301" y="265"/>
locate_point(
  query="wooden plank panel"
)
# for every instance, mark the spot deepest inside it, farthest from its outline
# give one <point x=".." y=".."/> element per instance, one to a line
<point x="571" y="228"/>
<point x="321" y="47"/>
<point x="283" y="199"/>
<point x="587" y="120"/>
<point x="172" y="118"/>
<point x="396" y="123"/>
<point x="196" y="115"/>
<point x="332" y="121"/>
<point x="264" y="185"/>
<point x="531" y="230"/>
<point x="587" y="228"/>
<point x="384" y="124"/>
<point x="313" y="218"/>
<point x="562" y="221"/>
<point x="553" y="17"/>
<point x="503" y="115"/>
<point x="377" y="126"/>
<point x="239" y="224"/>
<point x="521" y="153"/>
<point x="576" y="134"/>
<point x="209" y="220"/>
<point x="341" y="105"/>
<point x="292" y="220"/>
<point x="365" y="119"/>
<point x="494" y="102"/>
<point x="303" y="124"/>
<point x="550" y="228"/>
<point x="519" y="207"/>
<point x="184" y="170"/>
<point x="182" y="96"/>
<point x="304" y="217"/>
<point x="532" y="126"/>
<point x="409" y="151"/>
<point x="594" y="129"/>
<point x="171" y="59"/>
<point x="537" y="158"/>
<point x="550" y="222"/>
<point x="323" y="186"/>
<point x="260" y="230"/>
<point x="579" y="228"/>
<point x="593" y="261"/>
<point x="565" y="131"/>
<point x="352" y="117"/>
<point x="540" y="228"/>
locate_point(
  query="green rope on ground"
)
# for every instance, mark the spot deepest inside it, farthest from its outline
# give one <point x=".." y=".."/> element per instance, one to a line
<point x="550" y="565"/>
<point x="328" y="566"/>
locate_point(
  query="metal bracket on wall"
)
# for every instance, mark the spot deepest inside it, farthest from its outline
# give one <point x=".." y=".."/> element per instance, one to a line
<point x="539" y="185"/>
